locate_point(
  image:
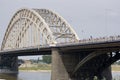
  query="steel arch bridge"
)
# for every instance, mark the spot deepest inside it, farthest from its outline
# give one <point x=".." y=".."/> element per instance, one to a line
<point x="31" y="27"/>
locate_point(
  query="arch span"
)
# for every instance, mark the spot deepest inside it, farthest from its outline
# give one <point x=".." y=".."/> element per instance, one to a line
<point x="31" y="27"/>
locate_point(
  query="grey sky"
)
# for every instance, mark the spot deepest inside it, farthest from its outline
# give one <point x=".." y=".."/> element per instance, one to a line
<point x="95" y="18"/>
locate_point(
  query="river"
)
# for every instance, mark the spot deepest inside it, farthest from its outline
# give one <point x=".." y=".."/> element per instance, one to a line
<point x="38" y="76"/>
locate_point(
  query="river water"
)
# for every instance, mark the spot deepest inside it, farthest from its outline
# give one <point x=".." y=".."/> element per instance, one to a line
<point x="38" y="76"/>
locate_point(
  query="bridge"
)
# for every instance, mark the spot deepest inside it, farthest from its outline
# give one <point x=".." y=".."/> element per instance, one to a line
<point x="45" y="32"/>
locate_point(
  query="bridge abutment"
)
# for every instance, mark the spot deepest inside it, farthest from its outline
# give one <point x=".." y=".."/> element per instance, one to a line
<point x="8" y="64"/>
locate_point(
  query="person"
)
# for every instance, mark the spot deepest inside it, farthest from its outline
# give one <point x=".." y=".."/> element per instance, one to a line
<point x="90" y="37"/>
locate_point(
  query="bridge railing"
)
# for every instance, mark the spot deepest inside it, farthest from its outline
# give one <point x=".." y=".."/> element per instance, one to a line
<point x="93" y="40"/>
<point x="101" y="39"/>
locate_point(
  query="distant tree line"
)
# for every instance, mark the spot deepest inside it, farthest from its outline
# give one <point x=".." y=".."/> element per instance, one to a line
<point x="45" y="59"/>
<point x="117" y="63"/>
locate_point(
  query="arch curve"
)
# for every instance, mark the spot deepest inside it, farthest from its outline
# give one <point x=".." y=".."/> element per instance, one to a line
<point x="53" y="28"/>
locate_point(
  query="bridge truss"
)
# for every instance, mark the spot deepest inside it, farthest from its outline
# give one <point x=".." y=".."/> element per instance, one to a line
<point x="32" y="27"/>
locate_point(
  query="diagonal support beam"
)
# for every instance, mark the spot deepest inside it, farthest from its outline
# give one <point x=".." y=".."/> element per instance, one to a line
<point x="87" y="58"/>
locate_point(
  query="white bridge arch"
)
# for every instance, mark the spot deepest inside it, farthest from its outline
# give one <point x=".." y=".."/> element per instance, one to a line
<point x="31" y="27"/>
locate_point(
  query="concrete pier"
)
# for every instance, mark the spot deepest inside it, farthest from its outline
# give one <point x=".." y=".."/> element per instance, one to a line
<point x="59" y="71"/>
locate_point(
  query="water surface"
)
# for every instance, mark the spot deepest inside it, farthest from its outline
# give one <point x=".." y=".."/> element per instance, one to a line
<point x="39" y="76"/>
<point x="27" y="76"/>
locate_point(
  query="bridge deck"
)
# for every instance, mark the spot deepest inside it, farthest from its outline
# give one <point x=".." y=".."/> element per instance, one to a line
<point x="46" y="49"/>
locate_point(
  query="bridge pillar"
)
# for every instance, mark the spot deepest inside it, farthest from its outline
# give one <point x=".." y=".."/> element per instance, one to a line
<point x="9" y="64"/>
<point x="59" y="71"/>
<point x="107" y="73"/>
<point x="64" y="63"/>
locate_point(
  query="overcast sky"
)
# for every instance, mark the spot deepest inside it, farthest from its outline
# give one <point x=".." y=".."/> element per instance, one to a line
<point x="95" y="18"/>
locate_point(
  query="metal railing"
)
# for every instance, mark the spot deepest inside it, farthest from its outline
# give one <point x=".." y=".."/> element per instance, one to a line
<point x="93" y="40"/>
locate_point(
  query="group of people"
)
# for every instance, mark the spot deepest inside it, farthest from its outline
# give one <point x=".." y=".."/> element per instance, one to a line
<point x="101" y="39"/>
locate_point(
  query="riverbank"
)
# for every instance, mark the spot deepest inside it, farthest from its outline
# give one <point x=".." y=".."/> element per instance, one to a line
<point x="35" y="70"/>
<point x="116" y="68"/>
<point x="35" y="67"/>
